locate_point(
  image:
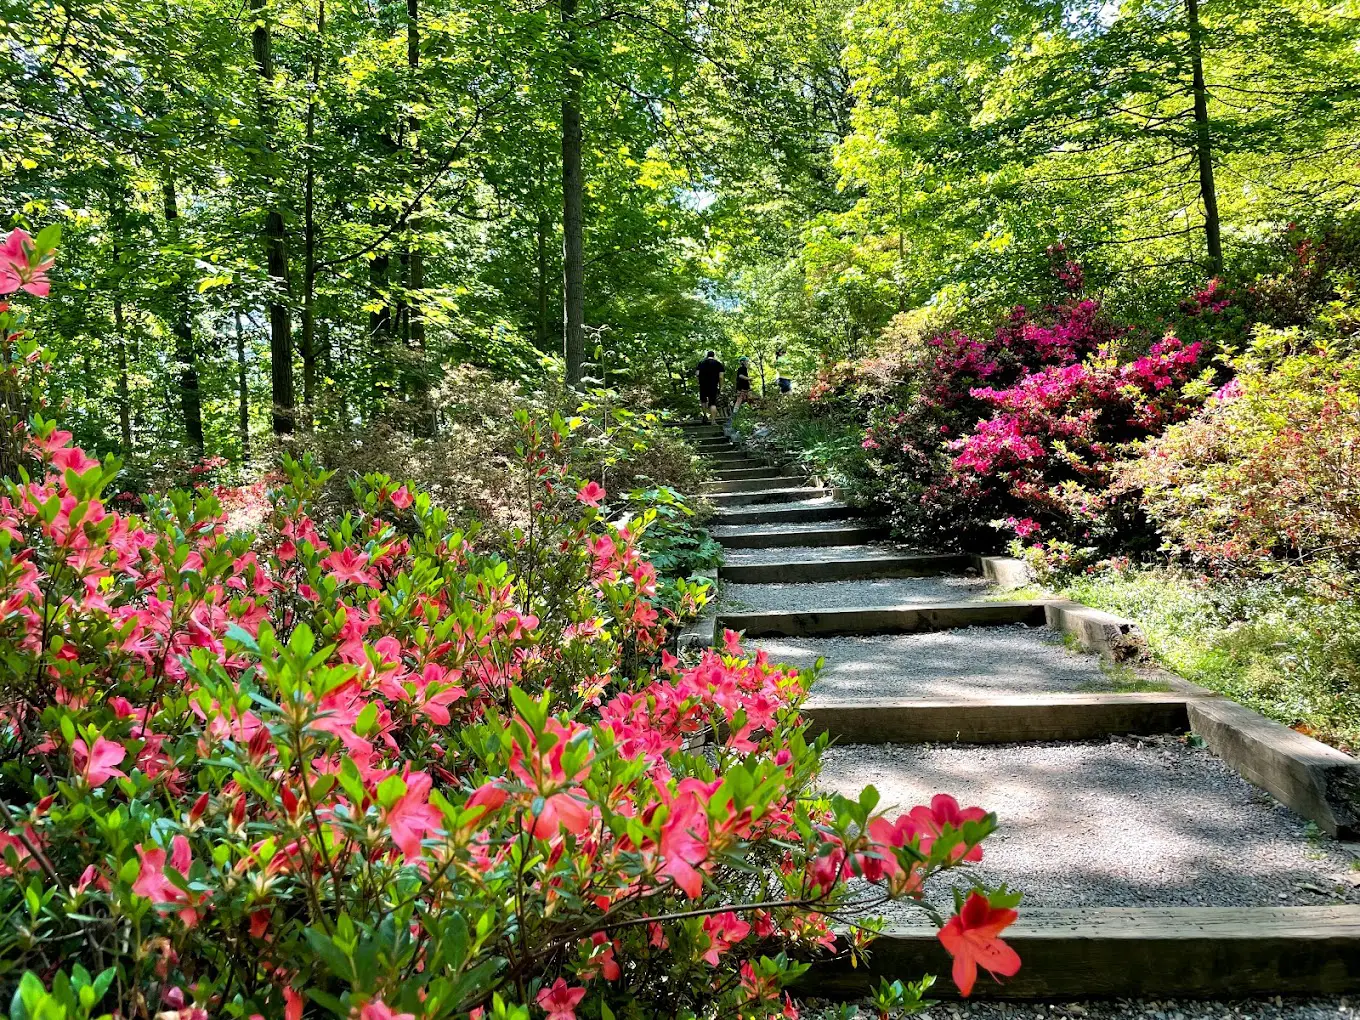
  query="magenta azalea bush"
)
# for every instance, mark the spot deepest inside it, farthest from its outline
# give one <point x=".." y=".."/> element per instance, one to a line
<point x="950" y="383"/>
<point x="1047" y="455"/>
<point x="348" y="767"/>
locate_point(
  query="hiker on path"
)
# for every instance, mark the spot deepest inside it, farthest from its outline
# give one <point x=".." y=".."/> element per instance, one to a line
<point x="710" y="373"/>
<point x="781" y="371"/>
<point x="743" y="383"/>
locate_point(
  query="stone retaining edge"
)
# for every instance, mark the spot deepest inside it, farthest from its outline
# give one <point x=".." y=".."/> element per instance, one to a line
<point x="1313" y="779"/>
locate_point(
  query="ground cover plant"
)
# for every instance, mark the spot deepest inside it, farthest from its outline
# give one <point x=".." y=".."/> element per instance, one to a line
<point x="345" y="764"/>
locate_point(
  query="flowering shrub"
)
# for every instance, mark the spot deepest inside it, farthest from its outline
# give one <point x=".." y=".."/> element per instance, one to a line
<point x="950" y="376"/>
<point x="1268" y="472"/>
<point x="350" y="767"/>
<point x="1047" y="455"/>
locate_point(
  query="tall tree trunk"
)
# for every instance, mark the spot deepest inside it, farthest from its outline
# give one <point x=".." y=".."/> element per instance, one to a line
<point x="190" y="400"/>
<point x="116" y="210"/>
<point x="242" y="391"/>
<point x="308" y="346"/>
<point x="124" y="390"/>
<point x="380" y="321"/>
<point x="543" y="327"/>
<point x="276" y="243"/>
<point x="573" y="199"/>
<point x="415" y="262"/>
<point x="1203" y="142"/>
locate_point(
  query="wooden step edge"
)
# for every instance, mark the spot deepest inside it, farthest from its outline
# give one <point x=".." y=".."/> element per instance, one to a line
<point x="903" y="619"/>
<point x="1146" y="952"/>
<point x="1002" y="719"/>
<point x="860" y="568"/>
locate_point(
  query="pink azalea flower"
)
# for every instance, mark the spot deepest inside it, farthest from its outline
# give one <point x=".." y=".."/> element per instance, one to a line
<point x="559" y="1001"/>
<point x="410" y="817"/>
<point x="73" y="458"/>
<point x="683" y="845"/>
<point x="52" y="443"/>
<point x="155" y="886"/>
<point x="379" y="1010"/>
<point x="591" y="494"/>
<point x="401" y="499"/>
<point x="944" y="811"/>
<point x="17" y="268"/>
<point x="347" y="566"/>
<point x="97" y="763"/>
<point x="723" y="931"/>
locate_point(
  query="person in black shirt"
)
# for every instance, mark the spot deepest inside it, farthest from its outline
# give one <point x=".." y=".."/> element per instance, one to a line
<point x="710" y="373"/>
<point x="743" y="383"/>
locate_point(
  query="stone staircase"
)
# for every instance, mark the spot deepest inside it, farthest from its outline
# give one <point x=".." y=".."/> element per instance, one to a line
<point x="1154" y="865"/>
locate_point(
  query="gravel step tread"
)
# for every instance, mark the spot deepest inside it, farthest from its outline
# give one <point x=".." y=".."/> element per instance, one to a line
<point x="1125" y="822"/>
<point x="895" y="591"/>
<point x="785" y="528"/>
<point x="820" y="554"/>
<point x="970" y="663"/>
<point x="729" y="485"/>
<point x="808" y="502"/>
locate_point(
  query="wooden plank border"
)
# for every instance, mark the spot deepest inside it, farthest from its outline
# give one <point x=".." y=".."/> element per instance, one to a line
<point x="1316" y="781"/>
<point x="850" y="534"/>
<point x="998" y="720"/>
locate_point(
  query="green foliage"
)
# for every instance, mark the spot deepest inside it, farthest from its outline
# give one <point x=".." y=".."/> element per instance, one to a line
<point x="823" y="439"/>
<point x="1272" y="644"/>
<point x="1266" y="477"/>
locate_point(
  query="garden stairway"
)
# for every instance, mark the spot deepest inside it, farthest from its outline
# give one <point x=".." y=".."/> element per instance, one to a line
<point x="1153" y="865"/>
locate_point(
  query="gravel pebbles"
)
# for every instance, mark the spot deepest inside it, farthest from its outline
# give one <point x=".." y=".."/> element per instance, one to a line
<point x="1150" y="822"/>
<point x="968" y="663"/>
<point x="895" y="591"/>
<point x="818" y="554"/>
<point x="1123" y="1009"/>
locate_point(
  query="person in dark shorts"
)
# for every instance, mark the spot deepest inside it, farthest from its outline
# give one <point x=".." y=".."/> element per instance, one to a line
<point x="781" y="371"/>
<point x="743" y="383"/>
<point x="710" y="373"/>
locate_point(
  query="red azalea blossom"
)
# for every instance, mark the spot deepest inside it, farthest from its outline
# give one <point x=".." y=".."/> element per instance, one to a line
<point x="972" y="938"/>
<point x="376" y="1009"/>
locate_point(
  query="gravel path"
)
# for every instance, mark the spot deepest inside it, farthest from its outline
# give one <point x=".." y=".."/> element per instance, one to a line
<point x="818" y="554"/>
<point x="1118" y="823"/>
<point x="896" y="591"/>
<point x="1123" y="1009"/>
<point x="971" y="662"/>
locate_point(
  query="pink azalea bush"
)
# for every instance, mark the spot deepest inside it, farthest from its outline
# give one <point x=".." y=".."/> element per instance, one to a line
<point x="348" y="766"/>
<point x="946" y="379"/>
<point x="1047" y="455"/>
